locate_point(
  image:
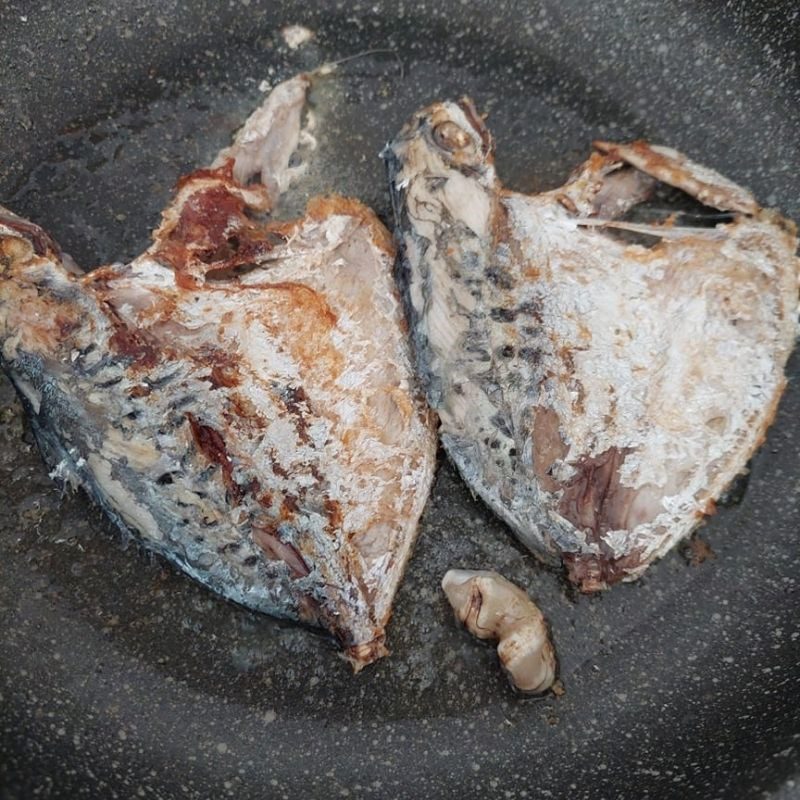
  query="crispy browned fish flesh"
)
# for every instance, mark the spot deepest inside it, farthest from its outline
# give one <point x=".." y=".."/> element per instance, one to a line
<point x="240" y="396"/>
<point x="598" y="394"/>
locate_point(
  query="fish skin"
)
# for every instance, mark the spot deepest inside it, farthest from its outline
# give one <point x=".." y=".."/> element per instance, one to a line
<point x="598" y="395"/>
<point x="240" y="397"/>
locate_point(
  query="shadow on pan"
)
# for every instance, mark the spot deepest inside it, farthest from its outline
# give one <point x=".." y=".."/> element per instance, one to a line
<point x="120" y="677"/>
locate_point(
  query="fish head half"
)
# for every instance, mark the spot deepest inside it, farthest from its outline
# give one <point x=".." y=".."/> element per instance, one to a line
<point x="598" y="392"/>
<point x="240" y="397"/>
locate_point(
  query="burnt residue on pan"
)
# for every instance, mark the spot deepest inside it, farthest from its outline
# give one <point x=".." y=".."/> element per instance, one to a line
<point x="118" y="673"/>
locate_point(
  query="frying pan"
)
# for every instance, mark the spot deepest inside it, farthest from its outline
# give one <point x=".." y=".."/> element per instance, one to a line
<point x="121" y="678"/>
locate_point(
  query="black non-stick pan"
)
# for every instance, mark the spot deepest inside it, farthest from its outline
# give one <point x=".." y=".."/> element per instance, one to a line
<point x="121" y="678"/>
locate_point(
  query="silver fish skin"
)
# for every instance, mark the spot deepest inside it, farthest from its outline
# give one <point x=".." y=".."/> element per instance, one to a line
<point x="240" y="397"/>
<point x="598" y="394"/>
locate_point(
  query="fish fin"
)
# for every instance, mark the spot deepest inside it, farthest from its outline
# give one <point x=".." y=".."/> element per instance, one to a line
<point x="604" y="186"/>
<point x="674" y="168"/>
<point x="266" y="142"/>
<point x="665" y="231"/>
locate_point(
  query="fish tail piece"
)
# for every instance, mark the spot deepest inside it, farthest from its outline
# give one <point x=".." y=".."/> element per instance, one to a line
<point x="362" y="655"/>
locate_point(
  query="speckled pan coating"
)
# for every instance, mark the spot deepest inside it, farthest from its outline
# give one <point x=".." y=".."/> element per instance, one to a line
<point x="120" y="677"/>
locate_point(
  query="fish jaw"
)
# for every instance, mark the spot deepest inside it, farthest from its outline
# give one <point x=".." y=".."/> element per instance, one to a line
<point x="598" y="396"/>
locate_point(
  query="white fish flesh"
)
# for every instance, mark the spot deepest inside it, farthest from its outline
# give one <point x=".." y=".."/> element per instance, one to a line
<point x="599" y="394"/>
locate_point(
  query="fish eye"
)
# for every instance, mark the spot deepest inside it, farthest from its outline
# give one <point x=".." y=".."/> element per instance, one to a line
<point x="450" y="136"/>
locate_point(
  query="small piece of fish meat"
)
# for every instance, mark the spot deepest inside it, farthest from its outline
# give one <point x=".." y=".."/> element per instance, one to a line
<point x="491" y="607"/>
<point x="296" y="36"/>
<point x="240" y="396"/>
<point x="597" y="394"/>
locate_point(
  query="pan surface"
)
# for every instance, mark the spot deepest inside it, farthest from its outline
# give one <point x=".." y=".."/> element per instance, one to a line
<point x="121" y="677"/>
